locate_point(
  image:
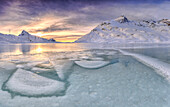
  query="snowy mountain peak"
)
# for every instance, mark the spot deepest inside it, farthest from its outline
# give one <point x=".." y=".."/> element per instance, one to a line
<point x="122" y="19"/>
<point x="24" y="37"/>
<point x="52" y="40"/>
<point x="121" y="30"/>
<point x="24" y="33"/>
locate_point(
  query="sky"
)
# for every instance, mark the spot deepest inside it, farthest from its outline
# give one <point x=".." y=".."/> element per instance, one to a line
<point x="68" y="20"/>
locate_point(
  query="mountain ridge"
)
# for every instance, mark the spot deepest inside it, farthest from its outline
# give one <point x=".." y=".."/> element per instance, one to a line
<point x="24" y="37"/>
<point x="122" y="30"/>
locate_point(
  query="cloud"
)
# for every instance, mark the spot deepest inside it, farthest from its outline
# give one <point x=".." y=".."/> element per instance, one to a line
<point x="133" y="11"/>
<point x="52" y="28"/>
<point x="74" y="17"/>
<point x="64" y="38"/>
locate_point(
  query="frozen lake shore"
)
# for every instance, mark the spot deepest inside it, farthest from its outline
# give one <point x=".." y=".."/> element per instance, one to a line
<point x="84" y="75"/>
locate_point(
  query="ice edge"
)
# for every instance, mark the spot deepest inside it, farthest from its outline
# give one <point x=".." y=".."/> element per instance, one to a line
<point x="160" y="67"/>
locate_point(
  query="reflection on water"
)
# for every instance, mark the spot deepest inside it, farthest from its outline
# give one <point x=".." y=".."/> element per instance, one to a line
<point x="73" y="50"/>
<point x="17" y="49"/>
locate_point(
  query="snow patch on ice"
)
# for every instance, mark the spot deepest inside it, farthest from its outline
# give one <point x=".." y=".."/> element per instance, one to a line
<point x="26" y="83"/>
<point x="92" y="64"/>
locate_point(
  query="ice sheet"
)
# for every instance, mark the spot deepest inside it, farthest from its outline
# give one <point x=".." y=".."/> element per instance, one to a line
<point x="160" y="67"/>
<point x="40" y="70"/>
<point x="127" y="83"/>
<point x="7" y="66"/>
<point x="92" y="64"/>
<point x="26" y="83"/>
<point x="62" y="67"/>
<point x="30" y="64"/>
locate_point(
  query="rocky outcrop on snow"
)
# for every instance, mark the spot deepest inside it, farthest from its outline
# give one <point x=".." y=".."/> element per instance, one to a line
<point x="122" y="19"/>
<point x="166" y="21"/>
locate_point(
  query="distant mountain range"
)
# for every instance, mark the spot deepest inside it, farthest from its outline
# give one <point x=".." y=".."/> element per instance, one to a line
<point x="119" y="30"/>
<point x="24" y="37"/>
<point x="122" y="30"/>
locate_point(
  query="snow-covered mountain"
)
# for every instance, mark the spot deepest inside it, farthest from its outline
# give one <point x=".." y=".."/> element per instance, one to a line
<point x="121" y="30"/>
<point x="24" y="37"/>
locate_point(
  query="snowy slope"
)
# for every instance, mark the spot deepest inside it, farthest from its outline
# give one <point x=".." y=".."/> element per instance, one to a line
<point x="124" y="31"/>
<point x="24" y="37"/>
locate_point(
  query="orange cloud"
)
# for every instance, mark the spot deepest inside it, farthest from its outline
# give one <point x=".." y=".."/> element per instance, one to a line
<point x="35" y="25"/>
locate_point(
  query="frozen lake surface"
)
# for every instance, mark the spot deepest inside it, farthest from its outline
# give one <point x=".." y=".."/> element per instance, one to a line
<point x="85" y="75"/>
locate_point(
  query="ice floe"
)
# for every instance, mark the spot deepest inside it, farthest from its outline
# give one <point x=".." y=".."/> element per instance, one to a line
<point x="62" y="67"/>
<point x="29" y="65"/>
<point x="47" y="66"/>
<point x="40" y="70"/>
<point x="91" y="64"/>
<point x="7" y="66"/>
<point x="160" y="67"/>
<point x="26" y="83"/>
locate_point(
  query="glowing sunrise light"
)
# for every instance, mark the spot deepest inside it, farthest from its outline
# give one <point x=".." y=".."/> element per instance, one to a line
<point x="39" y="34"/>
<point x="39" y="50"/>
